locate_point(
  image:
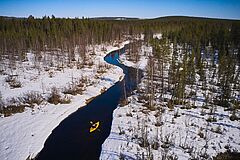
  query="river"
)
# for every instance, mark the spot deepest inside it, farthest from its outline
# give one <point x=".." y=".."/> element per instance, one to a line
<point x="71" y="139"/>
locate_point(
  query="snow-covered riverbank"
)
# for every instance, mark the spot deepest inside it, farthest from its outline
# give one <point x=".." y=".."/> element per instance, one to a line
<point x="23" y="134"/>
<point x="183" y="137"/>
<point x="161" y="133"/>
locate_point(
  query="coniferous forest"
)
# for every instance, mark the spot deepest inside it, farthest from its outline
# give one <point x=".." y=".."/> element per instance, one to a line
<point x="195" y="35"/>
<point x="37" y="34"/>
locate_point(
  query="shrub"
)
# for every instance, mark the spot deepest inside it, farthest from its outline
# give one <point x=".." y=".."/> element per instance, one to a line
<point x="123" y="102"/>
<point x="228" y="155"/>
<point x="211" y="119"/>
<point x="234" y="117"/>
<point x="12" y="109"/>
<point x="54" y="97"/>
<point x="12" y="106"/>
<point x="170" y="105"/>
<point x="155" y="145"/>
<point x="73" y="90"/>
<point x="129" y="114"/>
<point x="1" y="102"/>
<point x="201" y="135"/>
<point x="101" y="68"/>
<point x="17" y="105"/>
<point x="31" y="98"/>
<point x="218" y="130"/>
<point x="50" y="74"/>
<point x="81" y="83"/>
<point x="70" y="90"/>
<point x="66" y="100"/>
<point x="13" y="82"/>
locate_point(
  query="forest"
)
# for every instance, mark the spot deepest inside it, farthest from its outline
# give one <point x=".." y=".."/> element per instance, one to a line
<point x="51" y="33"/>
<point x="218" y="38"/>
<point x="197" y="35"/>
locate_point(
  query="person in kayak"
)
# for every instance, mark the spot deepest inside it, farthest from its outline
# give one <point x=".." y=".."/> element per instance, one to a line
<point x="94" y="126"/>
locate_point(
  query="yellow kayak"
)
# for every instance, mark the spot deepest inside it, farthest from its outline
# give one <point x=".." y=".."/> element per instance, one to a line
<point x="94" y="126"/>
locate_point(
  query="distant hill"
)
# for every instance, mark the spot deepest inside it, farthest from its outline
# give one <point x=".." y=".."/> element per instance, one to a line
<point x="114" y="18"/>
<point x="186" y="18"/>
<point x="6" y="17"/>
<point x="96" y="18"/>
<point x="166" y="18"/>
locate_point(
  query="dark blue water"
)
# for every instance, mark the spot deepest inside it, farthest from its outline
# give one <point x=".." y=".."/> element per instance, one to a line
<point x="71" y="140"/>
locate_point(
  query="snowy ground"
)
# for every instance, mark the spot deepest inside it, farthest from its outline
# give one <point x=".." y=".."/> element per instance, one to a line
<point x="142" y="63"/>
<point x="23" y="134"/>
<point x="183" y="133"/>
<point x="186" y="135"/>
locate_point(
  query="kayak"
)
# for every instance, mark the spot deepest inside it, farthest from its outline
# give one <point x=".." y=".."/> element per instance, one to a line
<point x="94" y="126"/>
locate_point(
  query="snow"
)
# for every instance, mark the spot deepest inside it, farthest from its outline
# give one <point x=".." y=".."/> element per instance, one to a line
<point x="23" y="134"/>
<point x="182" y="131"/>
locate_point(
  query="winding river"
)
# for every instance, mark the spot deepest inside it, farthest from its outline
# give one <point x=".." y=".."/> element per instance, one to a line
<point x="71" y="139"/>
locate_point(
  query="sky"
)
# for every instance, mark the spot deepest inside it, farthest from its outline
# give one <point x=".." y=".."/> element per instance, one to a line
<point x="226" y="9"/>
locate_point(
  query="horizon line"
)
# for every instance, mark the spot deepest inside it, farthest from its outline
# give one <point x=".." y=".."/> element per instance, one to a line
<point x="131" y="17"/>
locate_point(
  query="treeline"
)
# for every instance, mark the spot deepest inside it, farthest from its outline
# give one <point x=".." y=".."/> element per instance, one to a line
<point x="221" y="35"/>
<point x="29" y="33"/>
<point x="203" y="31"/>
<point x="51" y="33"/>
